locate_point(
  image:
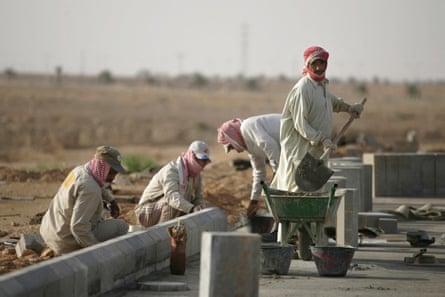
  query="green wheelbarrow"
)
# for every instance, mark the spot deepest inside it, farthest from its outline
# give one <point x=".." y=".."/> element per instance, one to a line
<point x="303" y="214"/>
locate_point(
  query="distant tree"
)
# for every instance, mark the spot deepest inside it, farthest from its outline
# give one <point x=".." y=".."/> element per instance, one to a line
<point x="105" y="77"/>
<point x="199" y="80"/>
<point x="10" y="73"/>
<point x="147" y="77"/>
<point x="361" y="88"/>
<point x="59" y="74"/>
<point x="252" y="84"/>
<point x="412" y="90"/>
<point x="282" y="77"/>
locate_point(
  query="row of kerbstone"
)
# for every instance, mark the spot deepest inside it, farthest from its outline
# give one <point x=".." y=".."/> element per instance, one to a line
<point x="112" y="264"/>
<point x="407" y="174"/>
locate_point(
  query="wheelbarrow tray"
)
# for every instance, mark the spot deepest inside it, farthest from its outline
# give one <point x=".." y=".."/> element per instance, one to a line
<point x="302" y="206"/>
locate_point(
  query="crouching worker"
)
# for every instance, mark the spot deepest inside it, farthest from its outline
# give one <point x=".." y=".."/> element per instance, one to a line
<point x="175" y="190"/>
<point x="74" y="218"/>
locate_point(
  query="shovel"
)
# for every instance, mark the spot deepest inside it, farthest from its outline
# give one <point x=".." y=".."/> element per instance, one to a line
<point x="311" y="173"/>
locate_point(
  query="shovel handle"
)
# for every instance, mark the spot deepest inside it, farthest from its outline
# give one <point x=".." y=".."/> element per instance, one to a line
<point x="341" y="132"/>
<point x="347" y="124"/>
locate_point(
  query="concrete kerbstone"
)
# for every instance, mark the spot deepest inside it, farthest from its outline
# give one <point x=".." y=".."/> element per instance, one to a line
<point x="12" y="287"/>
<point x="95" y="270"/>
<point x="162" y="251"/>
<point x="230" y="264"/>
<point x="193" y="238"/>
<point x="128" y="260"/>
<point x="149" y="245"/>
<point x="42" y="282"/>
<point x="139" y="251"/>
<point x="72" y="276"/>
<point x="94" y="277"/>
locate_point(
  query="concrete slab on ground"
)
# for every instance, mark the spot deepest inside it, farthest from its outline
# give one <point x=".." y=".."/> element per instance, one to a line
<point x="377" y="269"/>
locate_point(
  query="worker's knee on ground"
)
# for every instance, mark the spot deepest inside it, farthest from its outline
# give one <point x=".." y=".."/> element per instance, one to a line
<point x="111" y="228"/>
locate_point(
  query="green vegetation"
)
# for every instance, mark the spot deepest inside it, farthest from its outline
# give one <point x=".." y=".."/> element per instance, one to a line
<point x="105" y="77"/>
<point x="199" y="80"/>
<point x="10" y="73"/>
<point x="137" y="163"/>
<point x="412" y="90"/>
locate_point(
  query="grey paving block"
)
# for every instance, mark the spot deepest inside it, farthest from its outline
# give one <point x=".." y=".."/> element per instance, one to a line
<point x="127" y="253"/>
<point x="149" y="245"/>
<point x="39" y="280"/>
<point x="388" y="225"/>
<point x="31" y="242"/>
<point x="71" y="277"/>
<point x="12" y="287"/>
<point x="160" y="237"/>
<point x="94" y="274"/>
<point x="193" y="236"/>
<point x="407" y="174"/>
<point x="230" y="262"/>
<point x="440" y="175"/>
<point x="139" y="251"/>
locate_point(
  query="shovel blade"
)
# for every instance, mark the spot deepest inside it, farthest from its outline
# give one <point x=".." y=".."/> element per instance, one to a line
<point x="311" y="174"/>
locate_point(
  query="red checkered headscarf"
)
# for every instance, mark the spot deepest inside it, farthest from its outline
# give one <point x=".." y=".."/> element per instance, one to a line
<point x="99" y="169"/>
<point x="230" y="133"/>
<point x="311" y="54"/>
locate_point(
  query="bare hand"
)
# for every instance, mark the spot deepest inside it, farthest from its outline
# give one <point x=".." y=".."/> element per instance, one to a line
<point x="252" y="208"/>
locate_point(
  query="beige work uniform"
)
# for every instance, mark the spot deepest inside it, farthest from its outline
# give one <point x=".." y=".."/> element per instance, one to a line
<point x="165" y="198"/>
<point x="74" y="217"/>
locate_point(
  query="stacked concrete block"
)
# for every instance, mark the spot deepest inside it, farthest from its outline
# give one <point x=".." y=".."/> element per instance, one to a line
<point x="347" y="219"/>
<point x="230" y="264"/>
<point x="408" y="174"/>
<point x="358" y="176"/>
<point x="372" y="219"/>
<point x="388" y="225"/>
<point x="95" y="270"/>
<point x="440" y="175"/>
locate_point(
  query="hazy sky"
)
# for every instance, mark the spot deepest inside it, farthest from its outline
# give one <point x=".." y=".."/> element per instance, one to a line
<point x="398" y="40"/>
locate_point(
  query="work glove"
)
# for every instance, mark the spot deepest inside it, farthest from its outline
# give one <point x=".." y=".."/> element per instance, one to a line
<point x="252" y="208"/>
<point x="114" y="209"/>
<point x="328" y="144"/>
<point x="355" y="110"/>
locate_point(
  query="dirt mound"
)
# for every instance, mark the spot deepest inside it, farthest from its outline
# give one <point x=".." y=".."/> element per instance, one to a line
<point x="18" y="175"/>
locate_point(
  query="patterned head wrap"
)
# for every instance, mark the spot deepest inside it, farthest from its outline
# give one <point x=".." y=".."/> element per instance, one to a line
<point x="230" y="133"/>
<point x="310" y="55"/>
<point x="99" y="169"/>
<point x="191" y="165"/>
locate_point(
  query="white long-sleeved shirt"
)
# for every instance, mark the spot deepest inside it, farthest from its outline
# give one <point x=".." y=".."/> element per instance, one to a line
<point x="261" y="136"/>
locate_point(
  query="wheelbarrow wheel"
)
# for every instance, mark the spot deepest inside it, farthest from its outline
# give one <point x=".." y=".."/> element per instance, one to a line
<point x="304" y="243"/>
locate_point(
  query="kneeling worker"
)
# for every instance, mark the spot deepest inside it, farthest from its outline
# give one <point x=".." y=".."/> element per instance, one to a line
<point x="74" y="217"/>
